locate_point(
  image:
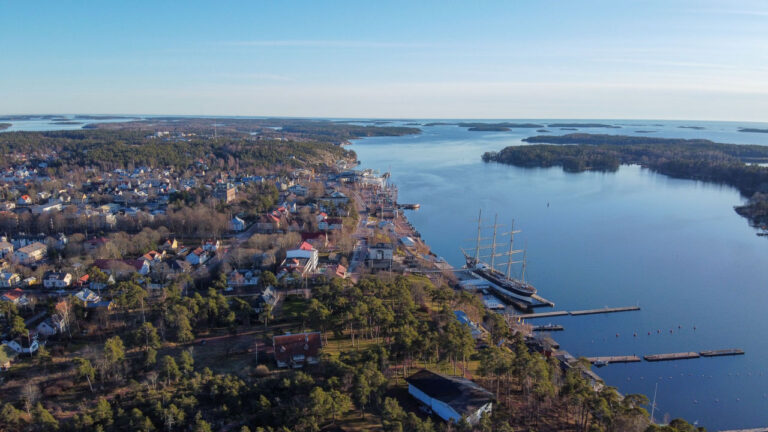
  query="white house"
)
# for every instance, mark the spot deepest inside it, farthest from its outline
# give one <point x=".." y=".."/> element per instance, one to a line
<point x="451" y="398"/>
<point x="31" y="253"/>
<point x="302" y="260"/>
<point x="237" y="224"/>
<point x="51" y="326"/>
<point x="57" y="280"/>
<point x="21" y="348"/>
<point x="87" y="296"/>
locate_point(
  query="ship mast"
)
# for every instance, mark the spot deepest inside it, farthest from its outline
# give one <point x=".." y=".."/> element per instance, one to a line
<point x="512" y="233"/>
<point x="479" y="227"/>
<point x="522" y="276"/>
<point x="493" y="244"/>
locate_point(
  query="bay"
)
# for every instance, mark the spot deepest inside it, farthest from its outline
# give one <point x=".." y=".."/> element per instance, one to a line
<point x="674" y="247"/>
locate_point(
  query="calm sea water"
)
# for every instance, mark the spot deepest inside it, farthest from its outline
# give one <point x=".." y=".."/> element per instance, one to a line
<point x="674" y="247"/>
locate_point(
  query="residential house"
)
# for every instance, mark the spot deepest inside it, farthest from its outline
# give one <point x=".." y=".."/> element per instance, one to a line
<point x="267" y="297"/>
<point x="330" y="224"/>
<point x="51" y="326"/>
<point x="57" y="280"/>
<point x="6" y="249"/>
<point x="238" y="278"/>
<point x="296" y="350"/>
<point x="87" y="296"/>
<point x="170" y="244"/>
<point x="268" y="223"/>
<point x="16" y="296"/>
<point x="336" y="270"/>
<point x="225" y="192"/>
<point x="31" y="253"/>
<point x="211" y="245"/>
<point x="298" y="190"/>
<point x="337" y="198"/>
<point x="153" y="257"/>
<point x="380" y="256"/>
<point x="451" y="398"/>
<point x="197" y="256"/>
<point x="237" y="224"/>
<point x="24" y="200"/>
<point x="23" y="345"/>
<point x="302" y="260"/>
<point x="9" y="280"/>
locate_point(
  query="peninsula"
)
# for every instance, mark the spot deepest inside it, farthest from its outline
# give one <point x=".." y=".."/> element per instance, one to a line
<point x="696" y="159"/>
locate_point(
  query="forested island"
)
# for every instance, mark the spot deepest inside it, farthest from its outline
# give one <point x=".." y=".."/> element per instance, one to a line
<point x="694" y="159"/>
<point x="498" y="127"/>
<point x="294" y="129"/>
<point x="753" y="130"/>
<point x="583" y="125"/>
<point x="4" y="126"/>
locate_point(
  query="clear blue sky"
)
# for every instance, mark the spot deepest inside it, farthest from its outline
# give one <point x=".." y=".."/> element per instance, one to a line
<point x="664" y="59"/>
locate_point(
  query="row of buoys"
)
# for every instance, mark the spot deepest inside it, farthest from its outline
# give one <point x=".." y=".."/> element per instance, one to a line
<point x="658" y="331"/>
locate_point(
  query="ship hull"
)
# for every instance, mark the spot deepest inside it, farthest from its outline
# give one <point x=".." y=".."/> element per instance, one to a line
<point x="506" y="287"/>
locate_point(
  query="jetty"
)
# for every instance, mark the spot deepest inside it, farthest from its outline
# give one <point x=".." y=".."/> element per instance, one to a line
<point x="722" y="352"/>
<point x="542" y="301"/>
<point x="541" y="314"/>
<point x="578" y="312"/>
<point x="614" y="359"/>
<point x="671" y="356"/>
<point x="605" y="310"/>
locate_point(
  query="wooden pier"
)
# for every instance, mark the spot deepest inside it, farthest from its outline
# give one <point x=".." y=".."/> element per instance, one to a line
<point x="671" y="356"/>
<point x="615" y="359"/>
<point x="605" y="310"/>
<point x="722" y="352"/>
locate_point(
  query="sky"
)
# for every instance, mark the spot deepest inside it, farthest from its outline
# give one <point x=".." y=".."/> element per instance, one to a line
<point x="651" y="59"/>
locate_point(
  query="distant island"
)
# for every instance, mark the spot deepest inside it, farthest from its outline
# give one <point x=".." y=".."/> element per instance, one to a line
<point x="583" y="125"/>
<point x="4" y="126"/>
<point x="692" y="127"/>
<point x="67" y="122"/>
<point x="270" y="128"/>
<point x="502" y="126"/>
<point x="694" y="159"/>
<point x="753" y="130"/>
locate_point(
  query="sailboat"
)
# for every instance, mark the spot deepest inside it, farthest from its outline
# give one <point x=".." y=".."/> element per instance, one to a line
<point x="503" y="284"/>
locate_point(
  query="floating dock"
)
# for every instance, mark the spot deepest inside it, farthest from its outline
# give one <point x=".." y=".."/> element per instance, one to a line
<point x="541" y="314"/>
<point x="578" y="312"/>
<point x="615" y="359"/>
<point x="671" y="356"/>
<point x="549" y="327"/>
<point x="722" y="352"/>
<point x="605" y="310"/>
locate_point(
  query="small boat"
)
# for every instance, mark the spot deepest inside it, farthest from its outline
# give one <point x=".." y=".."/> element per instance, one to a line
<point x="600" y="363"/>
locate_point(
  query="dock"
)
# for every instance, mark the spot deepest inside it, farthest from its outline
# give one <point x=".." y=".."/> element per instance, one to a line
<point x="541" y="314"/>
<point x="615" y="359"/>
<point x="543" y="301"/>
<point x="722" y="352"/>
<point x="605" y="310"/>
<point x="671" y="356"/>
<point x="578" y="312"/>
<point x="549" y="327"/>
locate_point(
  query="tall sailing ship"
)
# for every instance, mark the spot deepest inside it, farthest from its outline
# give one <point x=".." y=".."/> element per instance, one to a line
<point x="502" y="284"/>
